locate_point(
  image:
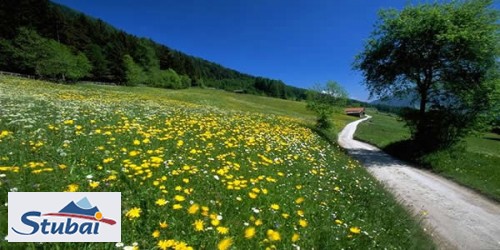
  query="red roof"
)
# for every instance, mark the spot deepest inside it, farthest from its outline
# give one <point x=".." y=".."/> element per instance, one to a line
<point x="354" y="110"/>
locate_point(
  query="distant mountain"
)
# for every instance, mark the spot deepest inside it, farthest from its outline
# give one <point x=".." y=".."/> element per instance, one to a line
<point x="409" y="101"/>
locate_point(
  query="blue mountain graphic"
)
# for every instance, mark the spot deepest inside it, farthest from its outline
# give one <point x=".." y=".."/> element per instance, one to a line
<point x="84" y="209"/>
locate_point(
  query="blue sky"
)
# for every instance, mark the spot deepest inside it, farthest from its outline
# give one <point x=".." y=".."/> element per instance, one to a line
<point x="301" y="42"/>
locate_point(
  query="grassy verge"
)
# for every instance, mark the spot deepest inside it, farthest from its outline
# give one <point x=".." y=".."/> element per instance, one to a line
<point x="475" y="163"/>
<point x="201" y="173"/>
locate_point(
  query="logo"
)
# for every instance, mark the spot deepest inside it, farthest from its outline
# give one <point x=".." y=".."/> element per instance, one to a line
<point x="83" y="217"/>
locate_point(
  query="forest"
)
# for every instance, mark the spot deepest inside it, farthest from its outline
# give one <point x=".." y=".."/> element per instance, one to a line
<point x="51" y="41"/>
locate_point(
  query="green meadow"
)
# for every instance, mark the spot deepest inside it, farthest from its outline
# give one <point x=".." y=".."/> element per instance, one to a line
<point x="197" y="169"/>
<point x="473" y="163"/>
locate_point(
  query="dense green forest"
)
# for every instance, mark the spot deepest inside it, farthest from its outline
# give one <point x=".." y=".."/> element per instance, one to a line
<point x="38" y="37"/>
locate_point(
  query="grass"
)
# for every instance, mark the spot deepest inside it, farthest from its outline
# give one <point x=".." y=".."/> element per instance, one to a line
<point x="197" y="169"/>
<point x="475" y="163"/>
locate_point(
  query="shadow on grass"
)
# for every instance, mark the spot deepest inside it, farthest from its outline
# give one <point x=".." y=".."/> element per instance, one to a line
<point x="491" y="138"/>
<point x="327" y="135"/>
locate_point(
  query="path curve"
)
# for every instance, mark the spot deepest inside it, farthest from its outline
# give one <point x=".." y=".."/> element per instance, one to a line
<point x="457" y="217"/>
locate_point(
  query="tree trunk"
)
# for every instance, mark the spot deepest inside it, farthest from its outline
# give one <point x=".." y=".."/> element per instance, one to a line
<point x="422" y="121"/>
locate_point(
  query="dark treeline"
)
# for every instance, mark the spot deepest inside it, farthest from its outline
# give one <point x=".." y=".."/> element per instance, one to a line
<point x="41" y="38"/>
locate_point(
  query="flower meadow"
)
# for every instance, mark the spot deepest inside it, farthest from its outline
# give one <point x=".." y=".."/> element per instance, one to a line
<point x="191" y="176"/>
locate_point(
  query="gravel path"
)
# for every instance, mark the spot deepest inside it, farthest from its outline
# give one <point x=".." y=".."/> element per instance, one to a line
<point x="457" y="217"/>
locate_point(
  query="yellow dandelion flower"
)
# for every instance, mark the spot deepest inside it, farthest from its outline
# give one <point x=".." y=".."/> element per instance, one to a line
<point x="193" y="209"/>
<point x="68" y="122"/>
<point x="94" y="184"/>
<point x="107" y="160"/>
<point x="285" y="215"/>
<point x="133" y="153"/>
<point x="215" y="222"/>
<point x="299" y="200"/>
<point x="165" y="244"/>
<point x="179" y="198"/>
<point x="303" y="223"/>
<point x="161" y="202"/>
<point x="249" y="232"/>
<point x="72" y="188"/>
<point x="295" y="237"/>
<point x="163" y="224"/>
<point x="252" y="195"/>
<point x="137" y="142"/>
<point x="225" y="244"/>
<point x="273" y="235"/>
<point x="177" y="206"/>
<point x="156" y="234"/>
<point x="300" y="213"/>
<point x="275" y="206"/>
<point x="222" y="230"/>
<point x="198" y="225"/>
<point x="355" y="230"/>
<point x="258" y="222"/>
<point x="338" y="222"/>
<point x="133" y="213"/>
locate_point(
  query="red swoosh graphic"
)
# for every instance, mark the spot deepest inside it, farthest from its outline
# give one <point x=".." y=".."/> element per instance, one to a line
<point x="105" y="220"/>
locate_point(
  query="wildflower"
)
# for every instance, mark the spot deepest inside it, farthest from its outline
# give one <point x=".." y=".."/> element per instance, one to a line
<point x="215" y="222"/>
<point x="165" y="244"/>
<point x="299" y="200"/>
<point x="119" y="244"/>
<point x="252" y="195"/>
<point x="107" y="160"/>
<point x="69" y="122"/>
<point x="179" y="198"/>
<point x="137" y="142"/>
<point x="258" y="222"/>
<point x="198" y="225"/>
<point x="72" y="188"/>
<point x="177" y="206"/>
<point x="295" y="237"/>
<point x="161" y="202"/>
<point x="338" y="222"/>
<point x="249" y="232"/>
<point x="156" y="234"/>
<point x="303" y="223"/>
<point x="273" y="235"/>
<point x="275" y="206"/>
<point x="94" y="184"/>
<point x="300" y="213"/>
<point x="355" y="230"/>
<point x="133" y="213"/>
<point x="225" y="244"/>
<point x="222" y="230"/>
<point x="163" y="224"/>
<point x="193" y="209"/>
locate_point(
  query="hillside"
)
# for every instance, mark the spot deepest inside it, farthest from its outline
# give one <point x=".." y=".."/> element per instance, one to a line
<point x="216" y="170"/>
<point x="41" y="38"/>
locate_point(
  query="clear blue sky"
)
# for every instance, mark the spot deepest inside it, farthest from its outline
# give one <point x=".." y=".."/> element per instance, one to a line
<point x="301" y="42"/>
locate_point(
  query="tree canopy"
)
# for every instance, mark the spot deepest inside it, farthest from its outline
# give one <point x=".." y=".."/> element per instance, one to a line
<point x="324" y="100"/>
<point x="109" y="50"/>
<point x="447" y="53"/>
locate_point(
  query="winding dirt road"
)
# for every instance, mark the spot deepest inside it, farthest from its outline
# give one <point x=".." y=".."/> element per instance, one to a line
<point x="456" y="217"/>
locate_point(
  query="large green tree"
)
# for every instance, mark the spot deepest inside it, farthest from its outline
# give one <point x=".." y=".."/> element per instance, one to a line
<point x="447" y="54"/>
